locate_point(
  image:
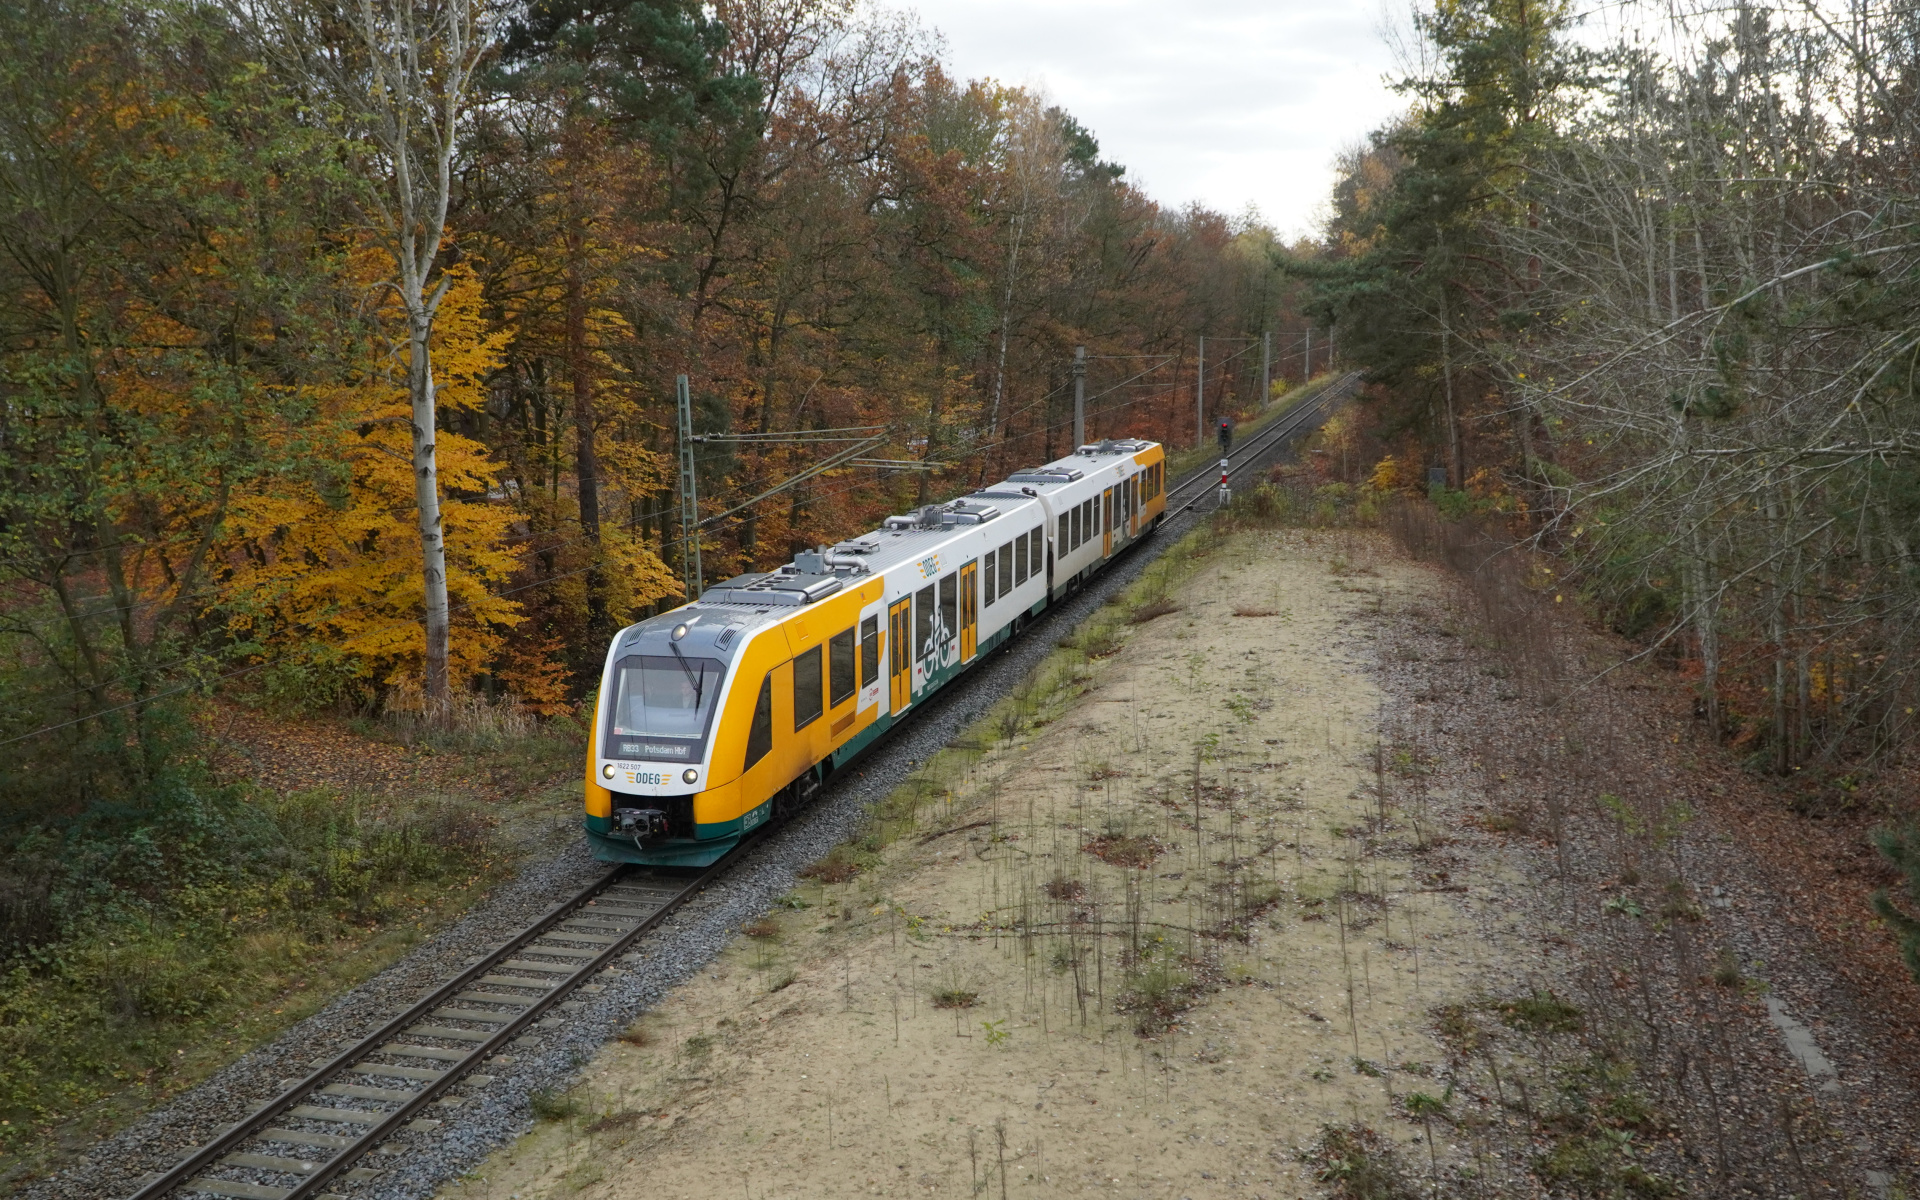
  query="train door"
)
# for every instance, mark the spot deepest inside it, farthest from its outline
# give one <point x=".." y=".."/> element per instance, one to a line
<point x="969" y="610"/>
<point x="1106" y="523"/>
<point x="900" y="651"/>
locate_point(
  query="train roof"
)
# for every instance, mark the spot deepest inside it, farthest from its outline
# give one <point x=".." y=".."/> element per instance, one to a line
<point x="716" y="622"/>
<point x="1090" y="459"/>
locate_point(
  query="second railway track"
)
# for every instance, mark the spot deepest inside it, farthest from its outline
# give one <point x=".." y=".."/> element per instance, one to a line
<point x="352" y="1115"/>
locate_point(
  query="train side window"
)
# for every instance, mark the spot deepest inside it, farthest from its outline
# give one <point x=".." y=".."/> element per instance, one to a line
<point x="1073" y="539"/>
<point x="923" y="622"/>
<point x="1064" y="544"/>
<point x="1020" y="559"/>
<point x="989" y="588"/>
<point x="840" y="685"/>
<point x="1006" y="567"/>
<point x="949" y="607"/>
<point x="760" y="733"/>
<point x="806" y="688"/>
<point x="869" y="650"/>
<point x="1034" y="563"/>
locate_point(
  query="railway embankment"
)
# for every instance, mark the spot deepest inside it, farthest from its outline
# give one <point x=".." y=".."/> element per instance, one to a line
<point x="303" y="858"/>
<point x="1299" y="867"/>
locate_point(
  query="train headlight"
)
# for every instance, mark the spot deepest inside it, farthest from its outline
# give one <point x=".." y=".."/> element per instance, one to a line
<point x="690" y="775"/>
<point x="607" y="771"/>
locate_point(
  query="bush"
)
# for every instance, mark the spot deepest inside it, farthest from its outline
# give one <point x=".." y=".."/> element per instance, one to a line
<point x="135" y="930"/>
<point x="315" y="679"/>
<point x="1902" y="849"/>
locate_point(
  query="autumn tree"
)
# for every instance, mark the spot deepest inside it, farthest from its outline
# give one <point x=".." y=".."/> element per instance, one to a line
<point x="393" y="80"/>
<point x="159" y="291"/>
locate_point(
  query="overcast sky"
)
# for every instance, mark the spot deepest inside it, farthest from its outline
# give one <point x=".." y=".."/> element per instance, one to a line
<point x="1227" y="102"/>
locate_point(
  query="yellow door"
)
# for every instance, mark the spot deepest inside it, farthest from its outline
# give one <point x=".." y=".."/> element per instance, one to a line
<point x="969" y="609"/>
<point x="900" y="639"/>
<point x="1106" y="525"/>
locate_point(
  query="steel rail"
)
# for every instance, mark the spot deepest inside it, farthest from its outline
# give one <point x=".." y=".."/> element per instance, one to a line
<point x="185" y="1175"/>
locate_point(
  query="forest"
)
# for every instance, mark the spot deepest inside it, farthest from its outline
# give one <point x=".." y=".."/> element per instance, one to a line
<point x="1659" y="295"/>
<point x="1641" y="281"/>
<point x="341" y="347"/>
<point x="340" y="342"/>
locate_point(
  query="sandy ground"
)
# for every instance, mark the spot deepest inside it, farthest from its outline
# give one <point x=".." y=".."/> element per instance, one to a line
<point x="1059" y="986"/>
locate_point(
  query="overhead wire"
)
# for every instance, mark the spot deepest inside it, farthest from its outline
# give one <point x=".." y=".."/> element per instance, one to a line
<point x="705" y="525"/>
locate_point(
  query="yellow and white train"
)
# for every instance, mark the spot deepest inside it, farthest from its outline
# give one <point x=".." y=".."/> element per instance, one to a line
<point x="734" y="709"/>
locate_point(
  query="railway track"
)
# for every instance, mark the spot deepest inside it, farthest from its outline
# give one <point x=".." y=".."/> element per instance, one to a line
<point x="335" y="1126"/>
<point x="1204" y="482"/>
<point x="331" y="1126"/>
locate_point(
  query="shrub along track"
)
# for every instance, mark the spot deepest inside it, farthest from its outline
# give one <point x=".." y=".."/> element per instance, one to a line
<point x="397" y="1106"/>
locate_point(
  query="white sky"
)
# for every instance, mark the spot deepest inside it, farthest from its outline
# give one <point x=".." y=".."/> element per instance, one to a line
<point x="1225" y="102"/>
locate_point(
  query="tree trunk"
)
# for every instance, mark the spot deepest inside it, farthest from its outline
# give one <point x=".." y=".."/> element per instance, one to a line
<point x="1453" y="416"/>
<point x="580" y="371"/>
<point x="436" y="687"/>
<point x="1706" y="619"/>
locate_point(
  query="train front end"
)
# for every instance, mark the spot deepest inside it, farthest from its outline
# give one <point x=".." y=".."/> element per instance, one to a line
<point x="652" y="792"/>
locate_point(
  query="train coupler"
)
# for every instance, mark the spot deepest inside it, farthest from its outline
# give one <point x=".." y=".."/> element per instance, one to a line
<point x="640" y="824"/>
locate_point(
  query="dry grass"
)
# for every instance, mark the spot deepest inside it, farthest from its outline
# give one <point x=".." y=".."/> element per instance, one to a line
<point x="1124" y="850"/>
<point x="1150" y="610"/>
<point x="955" y="998"/>
<point x="1062" y="888"/>
<point x="840" y="865"/>
<point x="765" y="927"/>
<point x="1246" y="611"/>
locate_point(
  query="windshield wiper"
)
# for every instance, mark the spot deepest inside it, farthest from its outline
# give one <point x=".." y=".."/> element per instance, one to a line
<point x="695" y="680"/>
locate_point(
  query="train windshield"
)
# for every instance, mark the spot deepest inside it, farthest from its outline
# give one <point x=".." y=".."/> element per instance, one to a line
<point x="662" y="704"/>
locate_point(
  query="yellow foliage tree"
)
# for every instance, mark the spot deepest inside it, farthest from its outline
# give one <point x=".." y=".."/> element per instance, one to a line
<point x="1388" y="475"/>
<point x="325" y="566"/>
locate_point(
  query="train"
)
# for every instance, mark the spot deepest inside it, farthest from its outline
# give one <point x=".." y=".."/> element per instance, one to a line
<point x="734" y="709"/>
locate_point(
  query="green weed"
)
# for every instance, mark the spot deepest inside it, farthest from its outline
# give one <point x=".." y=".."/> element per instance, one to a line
<point x="549" y="1105"/>
<point x="1358" y="1164"/>
<point x="1541" y="1012"/>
